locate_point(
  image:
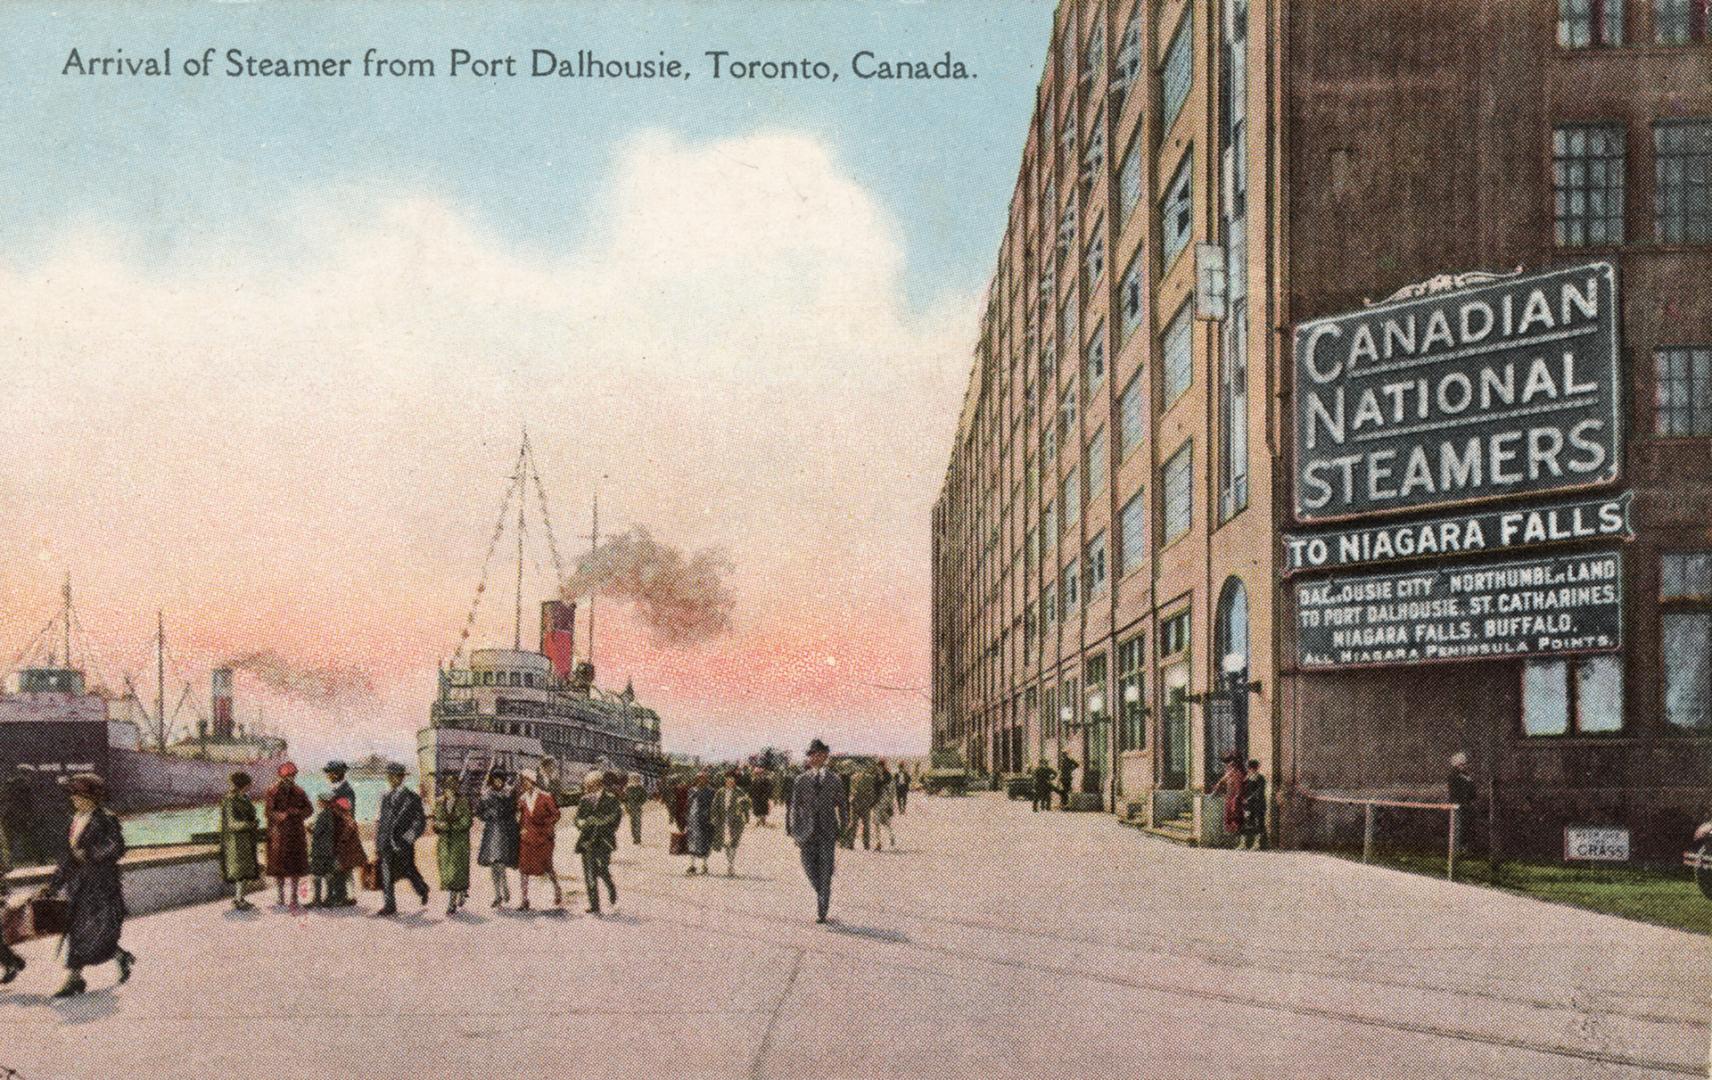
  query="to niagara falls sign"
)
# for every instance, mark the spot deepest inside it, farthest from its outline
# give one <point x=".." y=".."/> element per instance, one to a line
<point x="1500" y="390"/>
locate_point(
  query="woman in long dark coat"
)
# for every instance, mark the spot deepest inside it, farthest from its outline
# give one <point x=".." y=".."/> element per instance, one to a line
<point x="760" y="795"/>
<point x="88" y="874"/>
<point x="497" y="810"/>
<point x="288" y="809"/>
<point x="698" y="822"/>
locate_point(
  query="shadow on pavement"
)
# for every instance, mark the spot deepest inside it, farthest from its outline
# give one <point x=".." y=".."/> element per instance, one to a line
<point x="874" y="933"/>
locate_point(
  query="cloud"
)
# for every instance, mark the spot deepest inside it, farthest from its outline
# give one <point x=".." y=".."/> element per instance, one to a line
<point x="296" y="430"/>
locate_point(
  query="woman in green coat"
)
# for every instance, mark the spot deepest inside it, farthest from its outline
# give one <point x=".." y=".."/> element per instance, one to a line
<point x="452" y="821"/>
<point x="239" y="864"/>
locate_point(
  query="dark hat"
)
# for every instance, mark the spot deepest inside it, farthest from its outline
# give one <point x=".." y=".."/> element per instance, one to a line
<point x="88" y="785"/>
<point x="393" y="768"/>
<point x="242" y="779"/>
<point x="815" y="746"/>
<point x="336" y="767"/>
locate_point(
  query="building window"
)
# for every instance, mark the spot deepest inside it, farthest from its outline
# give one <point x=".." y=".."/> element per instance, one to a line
<point x="1587" y="184"/>
<point x="1683" y="197"/>
<point x="1067" y="139"/>
<point x="1048" y="606"/>
<point x="1067" y="328"/>
<point x="1131" y="297"/>
<point x="1096" y="362"/>
<point x="1128" y="67"/>
<point x="1179" y="493"/>
<point x="1233" y="416"/>
<point x="1177" y="72"/>
<point x="1678" y="22"/>
<point x="1582" y="695"/>
<point x="1174" y="635"/>
<point x="1584" y="23"/>
<point x="1094" y="56"/>
<point x="1176" y="211"/>
<point x="1096" y="468"/>
<point x="1094" y="158"/>
<point x="1048" y="526"/>
<point x="1132" y="416"/>
<point x="1066" y="233"/>
<point x="1132" y="713"/>
<point x="1685" y="638"/>
<point x="1133" y="522"/>
<point x="1177" y="362"/>
<point x="1067" y="417"/>
<point x="1094" y="261"/>
<point x="1684" y="402"/>
<point x="1068" y="590"/>
<point x="1028" y="628"/>
<point x="1097" y="566"/>
<point x="1129" y="182"/>
<point x="1072" y="498"/>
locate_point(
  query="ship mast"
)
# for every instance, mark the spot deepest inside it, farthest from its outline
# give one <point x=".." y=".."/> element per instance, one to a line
<point x="594" y="544"/>
<point x="522" y="498"/>
<point x="66" y="593"/>
<point x="160" y="680"/>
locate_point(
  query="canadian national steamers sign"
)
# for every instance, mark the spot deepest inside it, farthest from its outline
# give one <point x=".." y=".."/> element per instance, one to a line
<point x="1507" y="389"/>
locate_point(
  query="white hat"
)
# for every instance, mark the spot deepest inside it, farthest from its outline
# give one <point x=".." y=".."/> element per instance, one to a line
<point x="1459" y="759"/>
<point x="593" y="777"/>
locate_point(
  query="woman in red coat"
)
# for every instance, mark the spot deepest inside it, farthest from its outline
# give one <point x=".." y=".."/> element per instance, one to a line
<point x="538" y="815"/>
<point x="288" y="808"/>
<point x="1231" y="783"/>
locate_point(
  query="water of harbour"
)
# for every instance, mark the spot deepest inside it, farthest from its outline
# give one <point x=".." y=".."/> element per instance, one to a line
<point x="178" y="826"/>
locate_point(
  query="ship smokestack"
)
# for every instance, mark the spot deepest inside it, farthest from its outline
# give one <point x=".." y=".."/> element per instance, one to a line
<point x="558" y="635"/>
<point x="222" y="686"/>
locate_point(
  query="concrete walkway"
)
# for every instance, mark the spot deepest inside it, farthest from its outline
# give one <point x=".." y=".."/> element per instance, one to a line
<point x="991" y="943"/>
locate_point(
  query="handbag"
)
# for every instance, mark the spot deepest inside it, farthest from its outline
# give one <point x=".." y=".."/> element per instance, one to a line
<point x="680" y="843"/>
<point x="371" y="874"/>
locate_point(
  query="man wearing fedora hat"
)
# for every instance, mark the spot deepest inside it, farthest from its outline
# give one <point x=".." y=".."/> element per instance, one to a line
<point x="402" y="822"/>
<point x="819" y="813"/>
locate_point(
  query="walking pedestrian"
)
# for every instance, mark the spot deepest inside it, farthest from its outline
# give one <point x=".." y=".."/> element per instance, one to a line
<point x="452" y="822"/>
<point x="634" y="798"/>
<point x="339" y="891"/>
<point x="239" y="864"/>
<point x="760" y="795"/>
<point x="730" y="814"/>
<point x="10" y="962"/>
<point x="597" y="817"/>
<point x="538" y="816"/>
<point x="402" y="822"/>
<point x="903" y="788"/>
<point x="1254" y="807"/>
<point x="88" y="874"/>
<point x="1067" y="767"/>
<point x="885" y="805"/>
<point x="817" y="815"/>
<point x="288" y="812"/>
<point x="864" y="792"/>
<point x="698" y="822"/>
<point x="1231" y="784"/>
<point x="323" y="851"/>
<point x="500" y="832"/>
<point x="1043" y="776"/>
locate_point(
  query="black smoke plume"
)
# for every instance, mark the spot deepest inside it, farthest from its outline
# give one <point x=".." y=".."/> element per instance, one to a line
<point x="682" y="600"/>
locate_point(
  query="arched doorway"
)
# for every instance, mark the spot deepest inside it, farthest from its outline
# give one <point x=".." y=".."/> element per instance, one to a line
<point x="1227" y="706"/>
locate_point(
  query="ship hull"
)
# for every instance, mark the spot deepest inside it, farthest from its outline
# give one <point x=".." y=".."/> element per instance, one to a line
<point x="143" y="781"/>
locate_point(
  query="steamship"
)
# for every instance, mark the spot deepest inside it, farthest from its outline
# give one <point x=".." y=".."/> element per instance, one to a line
<point x="518" y="708"/>
<point x="54" y="723"/>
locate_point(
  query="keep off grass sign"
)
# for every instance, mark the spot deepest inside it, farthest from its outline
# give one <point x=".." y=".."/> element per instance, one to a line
<point x="1496" y="391"/>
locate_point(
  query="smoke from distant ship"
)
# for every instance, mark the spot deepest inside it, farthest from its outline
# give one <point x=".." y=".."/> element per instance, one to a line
<point x="329" y="685"/>
<point x="683" y="600"/>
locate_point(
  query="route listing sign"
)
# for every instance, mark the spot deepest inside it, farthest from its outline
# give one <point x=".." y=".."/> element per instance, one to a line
<point x="1492" y="391"/>
<point x="1532" y="607"/>
<point x="1477" y="532"/>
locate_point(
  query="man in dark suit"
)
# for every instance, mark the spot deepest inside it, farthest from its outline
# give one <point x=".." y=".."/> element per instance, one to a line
<point x="818" y="815"/>
<point x="402" y="822"/>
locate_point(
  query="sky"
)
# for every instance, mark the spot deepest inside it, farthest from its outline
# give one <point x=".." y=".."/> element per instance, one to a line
<point x="270" y="344"/>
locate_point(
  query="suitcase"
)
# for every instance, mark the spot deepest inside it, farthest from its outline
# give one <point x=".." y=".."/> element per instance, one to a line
<point x="680" y="843"/>
<point x="371" y="875"/>
<point x="34" y="918"/>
